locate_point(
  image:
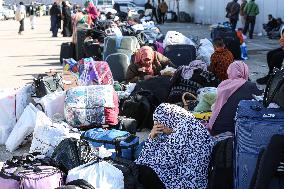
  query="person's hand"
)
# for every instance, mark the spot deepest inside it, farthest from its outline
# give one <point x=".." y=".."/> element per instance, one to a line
<point x="157" y="129"/>
<point x="146" y="77"/>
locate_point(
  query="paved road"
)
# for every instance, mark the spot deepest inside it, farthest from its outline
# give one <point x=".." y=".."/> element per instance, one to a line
<point x="36" y="52"/>
<point x="24" y="55"/>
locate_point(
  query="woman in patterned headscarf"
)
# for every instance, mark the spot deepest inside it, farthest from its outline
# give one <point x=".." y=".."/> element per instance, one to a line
<point x="146" y="63"/>
<point x="178" y="150"/>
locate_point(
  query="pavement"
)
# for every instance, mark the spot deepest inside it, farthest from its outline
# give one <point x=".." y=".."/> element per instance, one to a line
<point x="23" y="56"/>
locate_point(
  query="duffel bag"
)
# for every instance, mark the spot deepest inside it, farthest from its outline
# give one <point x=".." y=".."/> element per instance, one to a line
<point x="93" y="105"/>
<point x="27" y="172"/>
<point x="122" y="142"/>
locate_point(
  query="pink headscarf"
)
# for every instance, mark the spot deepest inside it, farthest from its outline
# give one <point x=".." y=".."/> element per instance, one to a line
<point x="238" y="74"/>
<point x="93" y="11"/>
<point x="143" y="54"/>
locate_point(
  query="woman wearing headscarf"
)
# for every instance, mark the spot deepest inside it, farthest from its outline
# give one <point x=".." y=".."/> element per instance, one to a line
<point x="191" y="78"/>
<point x="178" y="151"/>
<point x="92" y="10"/>
<point x="145" y="64"/>
<point x="79" y="19"/>
<point x="55" y="19"/>
<point x="67" y="20"/>
<point x="20" y="16"/>
<point x="229" y="93"/>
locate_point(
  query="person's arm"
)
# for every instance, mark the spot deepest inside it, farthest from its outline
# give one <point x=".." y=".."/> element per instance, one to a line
<point x="132" y="74"/>
<point x="164" y="61"/>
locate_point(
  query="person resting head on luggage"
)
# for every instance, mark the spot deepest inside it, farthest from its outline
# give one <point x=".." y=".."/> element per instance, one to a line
<point x="146" y="64"/>
<point x="229" y="93"/>
<point x="220" y="59"/>
<point x="178" y="150"/>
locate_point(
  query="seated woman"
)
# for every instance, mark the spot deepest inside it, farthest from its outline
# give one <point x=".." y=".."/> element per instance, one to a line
<point x="178" y="151"/>
<point x="229" y="93"/>
<point x="146" y="64"/>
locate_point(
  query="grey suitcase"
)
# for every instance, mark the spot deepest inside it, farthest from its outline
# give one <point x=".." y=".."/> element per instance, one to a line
<point x="118" y="63"/>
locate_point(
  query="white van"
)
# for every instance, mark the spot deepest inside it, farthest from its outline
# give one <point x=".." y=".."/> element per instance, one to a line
<point x="103" y="5"/>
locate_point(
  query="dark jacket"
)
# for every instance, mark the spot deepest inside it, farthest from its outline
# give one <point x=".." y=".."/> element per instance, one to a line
<point x="233" y="10"/>
<point x="148" y="6"/>
<point x="225" y="120"/>
<point x="160" y="62"/>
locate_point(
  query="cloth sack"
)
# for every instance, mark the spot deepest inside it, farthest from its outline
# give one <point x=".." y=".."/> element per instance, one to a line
<point x="48" y="135"/>
<point x="101" y="175"/>
<point x="91" y="105"/>
<point x="23" y="128"/>
<point x="205" y="50"/>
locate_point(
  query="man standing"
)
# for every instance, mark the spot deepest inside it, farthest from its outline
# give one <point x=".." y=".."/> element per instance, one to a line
<point x="251" y="11"/>
<point x="20" y="16"/>
<point x="233" y="10"/>
<point x="242" y="13"/>
<point x="55" y="18"/>
<point x="164" y="9"/>
<point x="32" y="12"/>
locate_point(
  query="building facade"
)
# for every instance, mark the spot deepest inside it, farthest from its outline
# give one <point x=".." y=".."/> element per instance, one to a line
<point x="213" y="11"/>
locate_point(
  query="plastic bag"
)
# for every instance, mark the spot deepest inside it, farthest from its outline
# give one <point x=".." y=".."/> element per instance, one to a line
<point x="176" y="38"/>
<point x="53" y="103"/>
<point x="206" y="97"/>
<point x="23" y="128"/>
<point x="12" y="104"/>
<point x="101" y="175"/>
<point x="48" y="135"/>
<point x="205" y="51"/>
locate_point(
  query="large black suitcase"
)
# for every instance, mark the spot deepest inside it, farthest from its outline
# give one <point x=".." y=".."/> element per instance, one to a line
<point x="180" y="54"/>
<point x="67" y="51"/>
<point x="81" y="35"/>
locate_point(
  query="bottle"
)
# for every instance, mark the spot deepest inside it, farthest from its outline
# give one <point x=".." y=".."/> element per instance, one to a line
<point x="244" y="51"/>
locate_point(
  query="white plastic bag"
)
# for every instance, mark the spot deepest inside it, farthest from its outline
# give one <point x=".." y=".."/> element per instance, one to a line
<point x="12" y="104"/>
<point x="48" y="135"/>
<point x="176" y="38"/>
<point x="23" y="128"/>
<point x="53" y="103"/>
<point x="205" y="51"/>
<point x="100" y="175"/>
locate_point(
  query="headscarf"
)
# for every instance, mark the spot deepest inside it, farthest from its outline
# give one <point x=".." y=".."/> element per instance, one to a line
<point x="238" y="74"/>
<point x="282" y="41"/>
<point x="187" y="71"/>
<point x="92" y="10"/>
<point x="143" y="53"/>
<point x="180" y="159"/>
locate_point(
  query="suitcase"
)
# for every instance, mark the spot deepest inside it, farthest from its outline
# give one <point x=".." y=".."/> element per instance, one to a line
<point x="127" y="45"/>
<point x="255" y="125"/>
<point x="234" y="46"/>
<point x="67" y="51"/>
<point x="180" y="54"/>
<point x="93" y="50"/>
<point x="122" y="142"/>
<point x="79" y="46"/>
<point x="118" y="63"/>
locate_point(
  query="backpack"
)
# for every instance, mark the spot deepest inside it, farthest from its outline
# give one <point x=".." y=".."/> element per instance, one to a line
<point x="221" y="165"/>
<point x="141" y="107"/>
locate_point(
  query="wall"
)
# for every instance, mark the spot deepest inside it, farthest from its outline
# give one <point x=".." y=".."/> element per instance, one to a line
<point x="213" y="11"/>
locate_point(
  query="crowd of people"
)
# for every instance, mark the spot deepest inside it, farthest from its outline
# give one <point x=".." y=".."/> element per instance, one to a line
<point x="178" y="149"/>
